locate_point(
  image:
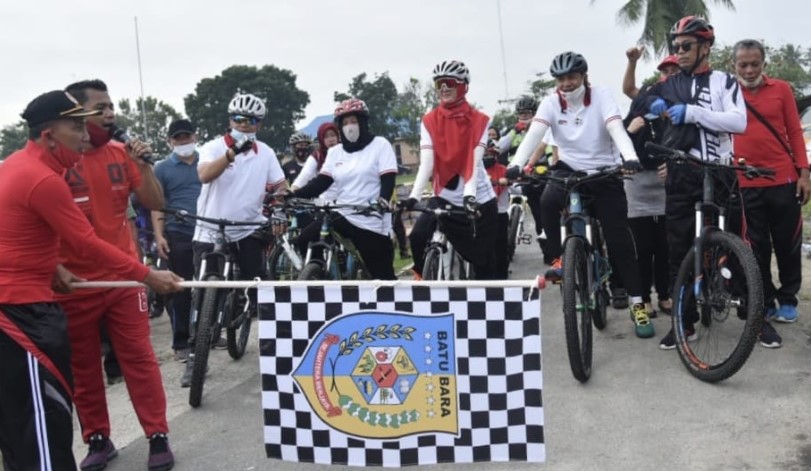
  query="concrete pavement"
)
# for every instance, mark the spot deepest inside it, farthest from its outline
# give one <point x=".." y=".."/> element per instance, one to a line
<point x="640" y="410"/>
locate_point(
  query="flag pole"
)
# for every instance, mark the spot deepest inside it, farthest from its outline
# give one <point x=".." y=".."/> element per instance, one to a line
<point x="503" y="56"/>
<point x="141" y="80"/>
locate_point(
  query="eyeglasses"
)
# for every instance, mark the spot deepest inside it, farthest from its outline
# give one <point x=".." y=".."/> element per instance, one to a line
<point x="686" y="46"/>
<point x="239" y="119"/>
<point x="447" y="82"/>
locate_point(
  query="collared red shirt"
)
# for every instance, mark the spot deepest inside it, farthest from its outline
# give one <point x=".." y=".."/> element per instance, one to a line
<point x="774" y="100"/>
<point x="181" y="188"/>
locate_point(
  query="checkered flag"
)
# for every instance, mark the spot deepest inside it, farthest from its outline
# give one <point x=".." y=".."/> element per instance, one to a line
<point x="365" y="375"/>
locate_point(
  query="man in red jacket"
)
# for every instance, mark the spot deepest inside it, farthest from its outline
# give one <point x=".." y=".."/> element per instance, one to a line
<point x="101" y="184"/>
<point x="773" y="138"/>
<point x="36" y="428"/>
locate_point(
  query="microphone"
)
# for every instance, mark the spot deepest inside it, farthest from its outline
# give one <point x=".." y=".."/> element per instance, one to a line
<point x="120" y="135"/>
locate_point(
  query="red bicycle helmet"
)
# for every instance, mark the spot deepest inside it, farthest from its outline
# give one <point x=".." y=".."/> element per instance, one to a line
<point x="351" y="106"/>
<point x="693" y="26"/>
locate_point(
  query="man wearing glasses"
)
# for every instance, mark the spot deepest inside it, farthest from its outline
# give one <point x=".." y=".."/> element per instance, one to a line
<point x="710" y="102"/>
<point x="236" y="171"/>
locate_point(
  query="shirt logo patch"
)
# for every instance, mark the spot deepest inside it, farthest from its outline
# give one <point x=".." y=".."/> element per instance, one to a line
<point x="562" y="122"/>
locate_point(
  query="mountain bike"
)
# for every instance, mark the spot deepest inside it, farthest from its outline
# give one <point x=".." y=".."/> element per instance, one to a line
<point x="586" y="270"/>
<point x="442" y="261"/>
<point x="284" y="263"/>
<point x="516" y="212"/>
<point x="718" y="292"/>
<point x="332" y="256"/>
<point x="216" y="308"/>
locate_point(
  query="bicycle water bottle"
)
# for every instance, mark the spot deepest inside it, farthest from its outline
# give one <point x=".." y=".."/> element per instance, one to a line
<point x="576" y="207"/>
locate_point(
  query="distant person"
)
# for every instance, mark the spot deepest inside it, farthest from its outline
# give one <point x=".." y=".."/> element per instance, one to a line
<point x="301" y="144"/>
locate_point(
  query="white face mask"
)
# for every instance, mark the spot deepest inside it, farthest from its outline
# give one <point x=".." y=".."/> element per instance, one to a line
<point x="238" y="136"/>
<point x="185" y="150"/>
<point x="575" y="96"/>
<point x="752" y="83"/>
<point x="352" y="132"/>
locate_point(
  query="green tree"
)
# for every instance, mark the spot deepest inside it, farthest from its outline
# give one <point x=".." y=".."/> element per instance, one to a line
<point x="504" y="119"/>
<point x="207" y="107"/>
<point x="158" y="117"/>
<point x="541" y="86"/>
<point x="788" y="62"/>
<point x="412" y="103"/>
<point x="12" y="138"/>
<point x="380" y="96"/>
<point x="658" y="16"/>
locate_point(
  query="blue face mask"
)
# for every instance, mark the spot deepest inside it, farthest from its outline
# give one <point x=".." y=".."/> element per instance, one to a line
<point x="239" y="136"/>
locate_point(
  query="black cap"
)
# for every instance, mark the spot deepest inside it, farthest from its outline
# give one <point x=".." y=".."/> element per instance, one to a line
<point x="180" y="126"/>
<point x="54" y="105"/>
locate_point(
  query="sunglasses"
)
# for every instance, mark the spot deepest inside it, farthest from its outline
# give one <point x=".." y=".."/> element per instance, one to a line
<point x="447" y="82"/>
<point x="239" y="119"/>
<point x="686" y="46"/>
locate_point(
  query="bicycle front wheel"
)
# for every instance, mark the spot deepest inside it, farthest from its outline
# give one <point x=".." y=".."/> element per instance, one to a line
<point x="576" y="308"/>
<point x="312" y="272"/>
<point x="202" y="340"/>
<point x="512" y="234"/>
<point x="431" y="269"/>
<point x="238" y="325"/>
<point x="718" y="313"/>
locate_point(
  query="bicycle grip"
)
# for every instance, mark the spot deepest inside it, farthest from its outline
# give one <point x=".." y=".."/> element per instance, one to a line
<point x="652" y="146"/>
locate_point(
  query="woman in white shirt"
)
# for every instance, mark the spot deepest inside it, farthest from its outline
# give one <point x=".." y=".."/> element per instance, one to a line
<point x="362" y="170"/>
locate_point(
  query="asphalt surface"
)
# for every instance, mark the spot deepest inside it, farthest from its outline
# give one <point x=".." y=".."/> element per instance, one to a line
<point x="640" y="410"/>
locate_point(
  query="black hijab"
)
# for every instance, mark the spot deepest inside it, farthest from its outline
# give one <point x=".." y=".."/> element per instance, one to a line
<point x="365" y="138"/>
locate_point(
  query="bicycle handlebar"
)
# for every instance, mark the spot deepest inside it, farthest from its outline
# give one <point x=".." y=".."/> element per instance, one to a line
<point x="749" y="171"/>
<point x="183" y="214"/>
<point x="365" y="210"/>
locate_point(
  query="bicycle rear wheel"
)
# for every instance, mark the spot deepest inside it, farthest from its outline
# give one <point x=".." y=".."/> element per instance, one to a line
<point x="431" y="270"/>
<point x="727" y="314"/>
<point x="279" y="265"/>
<point x="576" y="312"/>
<point x="238" y="323"/>
<point x="512" y="234"/>
<point x="312" y="271"/>
<point x="202" y="340"/>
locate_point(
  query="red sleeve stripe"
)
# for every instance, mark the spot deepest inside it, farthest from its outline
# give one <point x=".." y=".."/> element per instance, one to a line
<point x="327" y="174"/>
<point x="612" y="118"/>
<point x="542" y="121"/>
<point x="426" y="146"/>
<point x="386" y="172"/>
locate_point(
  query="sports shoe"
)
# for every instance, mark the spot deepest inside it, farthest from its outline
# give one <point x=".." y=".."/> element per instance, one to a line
<point x="182" y="355"/>
<point x="185" y="380"/>
<point x="555" y="272"/>
<point x="769" y="313"/>
<point x="100" y="452"/>
<point x="220" y="344"/>
<point x="619" y="298"/>
<point x="417" y="276"/>
<point x="114" y="379"/>
<point x="668" y="342"/>
<point x="769" y="337"/>
<point x="651" y="311"/>
<point x="642" y="324"/>
<point x="160" y="455"/>
<point x="786" y="313"/>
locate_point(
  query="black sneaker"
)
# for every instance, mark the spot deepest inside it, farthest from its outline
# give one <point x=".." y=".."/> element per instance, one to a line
<point x="161" y="457"/>
<point x="100" y="452"/>
<point x="185" y="380"/>
<point x="668" y="342"/>
<point x="769" y="337"/>
<point x="619" y="298"/>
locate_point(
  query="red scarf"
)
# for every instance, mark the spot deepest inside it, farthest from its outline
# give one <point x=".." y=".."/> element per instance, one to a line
<point x="455" y="133"/>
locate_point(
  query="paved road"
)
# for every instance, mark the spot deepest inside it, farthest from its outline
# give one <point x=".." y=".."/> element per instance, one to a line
<point x="641" y="409"/>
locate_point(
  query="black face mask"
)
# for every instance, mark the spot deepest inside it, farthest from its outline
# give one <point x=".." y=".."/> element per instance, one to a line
<point x="302" y="153"/>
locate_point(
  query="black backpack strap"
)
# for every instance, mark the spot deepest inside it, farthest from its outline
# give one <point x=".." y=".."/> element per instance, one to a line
<point x="770" y="128"/>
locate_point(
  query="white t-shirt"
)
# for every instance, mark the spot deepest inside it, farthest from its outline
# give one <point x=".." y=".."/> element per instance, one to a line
<point x="237" y="194"/>
<point x="455" y="196"/>
<point x="308" y="172"/>
<point x="580" y="132"/>
<point x="356" y="180"/>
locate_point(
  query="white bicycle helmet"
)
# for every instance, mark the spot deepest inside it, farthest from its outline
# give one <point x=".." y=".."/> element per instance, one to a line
<point x="300" y="137"/>
<point x="453" y="69"/>
<point x="246" y="104"/>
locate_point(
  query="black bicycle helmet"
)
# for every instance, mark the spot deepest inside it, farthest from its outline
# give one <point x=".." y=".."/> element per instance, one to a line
<point x="693" y="26"/>
<point x="567" y="63"/>
<point x="526" y="103"/>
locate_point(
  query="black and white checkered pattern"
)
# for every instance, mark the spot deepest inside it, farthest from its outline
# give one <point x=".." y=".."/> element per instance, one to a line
<point x="499" y="381"/>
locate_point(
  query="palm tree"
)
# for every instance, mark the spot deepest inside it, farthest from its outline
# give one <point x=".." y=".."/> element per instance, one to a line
<point x="659" y="17"/>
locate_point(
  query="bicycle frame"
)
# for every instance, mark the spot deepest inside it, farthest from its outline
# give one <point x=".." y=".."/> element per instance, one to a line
<point x="331" y="243"/>
<point x="575" y="222"/>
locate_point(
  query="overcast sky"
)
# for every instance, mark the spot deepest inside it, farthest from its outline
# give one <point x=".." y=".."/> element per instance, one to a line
<point x="47" y="44"/>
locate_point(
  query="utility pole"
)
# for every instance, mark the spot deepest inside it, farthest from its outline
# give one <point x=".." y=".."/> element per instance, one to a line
<point x="141" y="80"/>
<point x="503" y="56"/>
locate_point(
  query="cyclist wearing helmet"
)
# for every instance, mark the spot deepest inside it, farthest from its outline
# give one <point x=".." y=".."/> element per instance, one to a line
<point x="361" y="170"/>
<point x="236" y="171"/>
<point x="588" y="130"/>
<point x="301" y="145"/>
<point x="525" y="108"/>
<point x="497" y="174"/>
<point x="452" y="143"/>
<point x="703" y="108"/>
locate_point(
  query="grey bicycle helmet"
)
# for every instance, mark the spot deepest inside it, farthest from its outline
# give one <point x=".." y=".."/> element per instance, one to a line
<point x="453" y="69"/>
<point x="567" y="63"/>
<point x="526" y="103"/>
<point x="300" y="137"/>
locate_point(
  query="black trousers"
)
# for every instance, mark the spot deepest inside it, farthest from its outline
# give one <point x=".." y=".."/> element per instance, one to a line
<point x="479" y="251"/>
<point x="181" y="261"/>
<point x="684" y="188"/>
<point x="399" y="229"/>
<point x="36" y="427"/>
<point x="773" y="221"/>
<point x="502" y="262"/>
<point x="309" y="233"/>
<point x="650" y="236"/>
<point x="375" y="249"/>
<point x="607" y="203"/>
